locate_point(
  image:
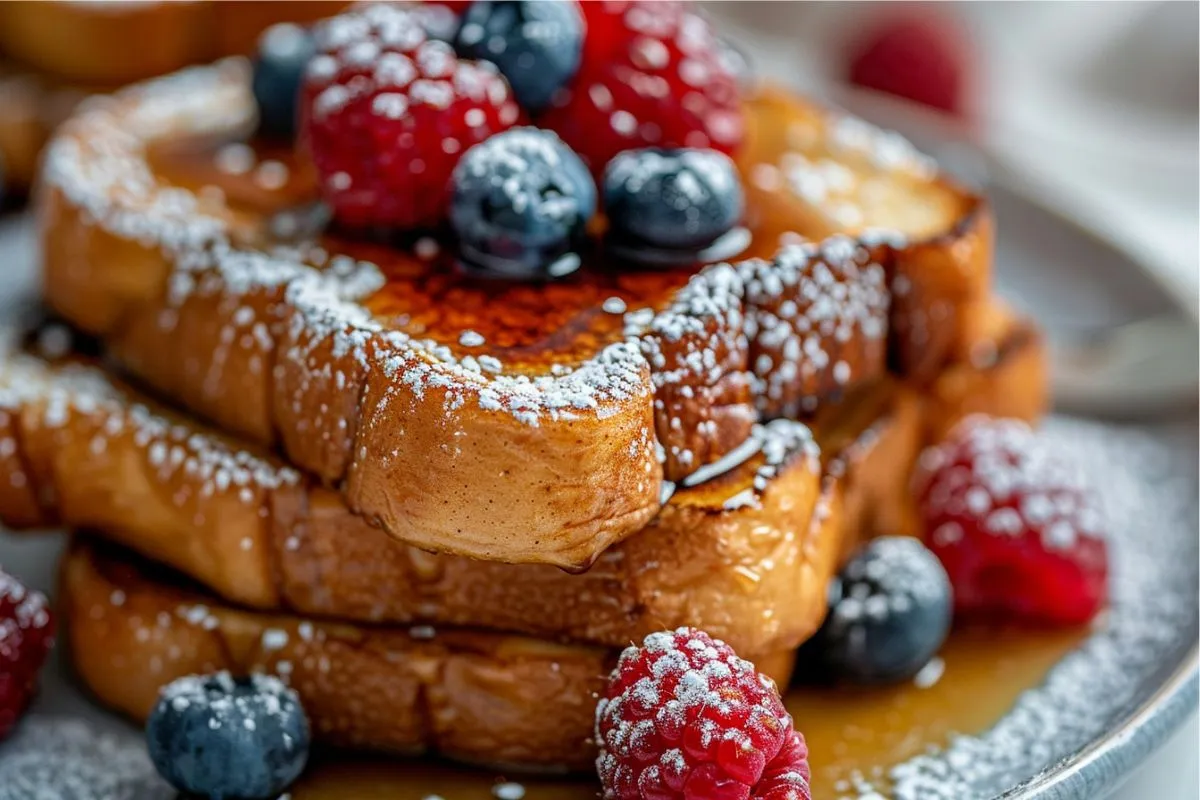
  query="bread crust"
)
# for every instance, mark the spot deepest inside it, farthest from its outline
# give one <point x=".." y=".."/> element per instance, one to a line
<point x="103" y="45"/>
<point x="470" y="695"/>
<point x="745" y="555"/>
<point x="79" y="450"/>
<point x="282" y="353"/>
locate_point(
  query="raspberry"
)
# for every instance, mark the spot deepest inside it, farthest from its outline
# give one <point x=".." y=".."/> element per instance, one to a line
<point x="387" y="112"/>
<point x="652" y="74"/>
<point x="26" y="635"/>
<point x="1017" y="530"/>
<point x="684" y="717"/>
<point x="922" y="59"/>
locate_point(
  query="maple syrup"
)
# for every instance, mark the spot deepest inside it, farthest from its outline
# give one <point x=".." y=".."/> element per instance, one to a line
<point x="526" y="325"/>
<point x="853" y="733"/>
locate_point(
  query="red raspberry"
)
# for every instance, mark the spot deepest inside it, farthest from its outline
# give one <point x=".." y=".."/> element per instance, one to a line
<point x="1018" y="532"/>
<point x="924" y="59"/>
<point x="459" y="7"/>
<point x="684" y="717"/>
<point x="26" y="635"/>
<point x="387" y="112"/>
<point x="651" y="74"/>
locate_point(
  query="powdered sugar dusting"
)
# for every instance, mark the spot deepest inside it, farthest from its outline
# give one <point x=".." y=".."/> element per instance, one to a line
<point x="99" y="164"/>
<point x="68" y="759"/>
<point x="1148" y="493"/>
<point x="60" y="393"/>
<point x="1009" y="481"/>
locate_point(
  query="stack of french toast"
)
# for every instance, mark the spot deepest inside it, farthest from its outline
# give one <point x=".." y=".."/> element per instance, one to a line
<point x="436" y="501"/>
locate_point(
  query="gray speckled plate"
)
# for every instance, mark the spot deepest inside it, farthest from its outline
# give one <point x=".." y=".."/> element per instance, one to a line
<point x="1100" y="711"/>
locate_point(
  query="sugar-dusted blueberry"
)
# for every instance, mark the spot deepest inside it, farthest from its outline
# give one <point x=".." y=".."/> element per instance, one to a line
<point x="283" y="53"/>
<point x="890" y="610"/>
<point x="537" y="44"/>
<point x="682" y="199"/>
<point x="521" y="201"/>
<point x="226" y="738"/>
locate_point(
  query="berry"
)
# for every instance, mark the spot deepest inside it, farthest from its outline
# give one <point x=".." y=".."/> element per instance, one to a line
<point x="671" y="199"/>
<point x="26" y="636"/>
<point x="889" y="612"/>
<point x="1017" y="530"/>
<point x="440" y="20"/>
<point x="388" y="113"/>
<point x="652" y="74"/>
<point x="536" y="44"/>
<point x="283" y="52"/>
<point x="220" y="737"/>
<point x="521" y="200"/>
<point x="922" y="59"/>
<point x="684" y="717"/>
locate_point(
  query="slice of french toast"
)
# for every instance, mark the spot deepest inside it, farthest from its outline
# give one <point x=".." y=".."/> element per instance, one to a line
<point x="742" y="559"/>
<point x="840" y="175"/>
<point x="471" y="695"/>
<point x="103" y="44"/>
<point x="744" y="551"/>
<point x="27" y="116"/>
<point x="564" y="404"/>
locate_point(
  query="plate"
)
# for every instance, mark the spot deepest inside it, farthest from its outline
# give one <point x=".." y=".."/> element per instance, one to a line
<point x="1099" y="712"/>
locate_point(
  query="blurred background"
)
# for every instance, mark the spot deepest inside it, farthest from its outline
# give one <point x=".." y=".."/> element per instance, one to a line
<point x="1085" y="110"/>
<point x="1091" y="104"/>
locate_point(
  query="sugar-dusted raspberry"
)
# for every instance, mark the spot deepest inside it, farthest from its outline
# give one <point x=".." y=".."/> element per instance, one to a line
<point x="652" y="74"/>
<point x="26" y="636"/>
<point x="387" y="113"/>
<point x="684" y="717"/>
<point x="1018" y="531"/>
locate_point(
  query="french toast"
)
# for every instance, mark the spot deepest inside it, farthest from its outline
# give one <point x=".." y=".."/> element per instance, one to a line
<point x="164" y="234"/>
<point x="745" y="563"/>
<point x="105" y="44"/>
<point x="24" y="128"/>
<point x="60" y="53"/>
<point x="746" y="552"/>
<point x="471" y="695"/>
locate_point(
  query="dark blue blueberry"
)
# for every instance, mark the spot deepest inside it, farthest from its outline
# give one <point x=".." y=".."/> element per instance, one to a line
<point x="671" y="200"/>
<point x="521" y="201"/>
<point x="889" y="613"/>
<point x="217" y="737"/>
<point x="537" y="44"/>
<point x="283" y="52"/>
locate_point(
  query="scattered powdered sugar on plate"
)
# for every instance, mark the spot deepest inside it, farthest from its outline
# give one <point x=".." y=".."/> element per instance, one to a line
<point x="67" y="759"/>
<point x="1148" y="492"/>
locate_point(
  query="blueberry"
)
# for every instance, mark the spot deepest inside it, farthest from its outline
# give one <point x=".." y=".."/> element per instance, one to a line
<point x="283" y="52"/>
<point x="889" y="613"/>
<point x="537" y="44"/>
<point x="680" y="200"/>
<point x="223" y="738"/>
<point x="521" y="200"/>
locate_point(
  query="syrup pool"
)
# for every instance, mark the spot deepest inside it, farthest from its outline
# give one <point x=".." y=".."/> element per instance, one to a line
<point x="855" y="735"/>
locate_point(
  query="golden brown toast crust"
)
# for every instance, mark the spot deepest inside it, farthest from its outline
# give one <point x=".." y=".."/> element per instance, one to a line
<point x="76" y="450"/>
<point x="105" y="44"/>
<point x="283" y="352"/>
<point x="470" y="695"/>
<point x="744" y="554"/>
<point x="832" y="173"/>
